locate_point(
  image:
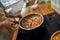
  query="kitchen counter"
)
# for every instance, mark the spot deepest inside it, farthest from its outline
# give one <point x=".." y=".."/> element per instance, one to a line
<point x="40" y="9"/>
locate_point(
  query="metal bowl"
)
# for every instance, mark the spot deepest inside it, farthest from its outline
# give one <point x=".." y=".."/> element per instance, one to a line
<point x="21" y="22"/>
<point x="55" y="33"/>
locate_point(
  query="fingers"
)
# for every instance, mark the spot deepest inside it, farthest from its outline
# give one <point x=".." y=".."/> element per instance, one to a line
<point x="8" y="22"/>
<point x="11" y="22"/>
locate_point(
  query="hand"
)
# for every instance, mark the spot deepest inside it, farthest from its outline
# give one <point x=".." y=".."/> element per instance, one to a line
<point x="7" y="22"/>
<point x="15" y="15"/>
<point x="18" y="15"/>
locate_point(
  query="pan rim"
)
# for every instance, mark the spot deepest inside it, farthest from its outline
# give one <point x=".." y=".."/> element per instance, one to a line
<point x="31" y="28"/>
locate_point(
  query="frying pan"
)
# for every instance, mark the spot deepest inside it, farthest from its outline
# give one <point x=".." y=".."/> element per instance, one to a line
<point x="54" y="34"/>
<point x="21" y="22"/>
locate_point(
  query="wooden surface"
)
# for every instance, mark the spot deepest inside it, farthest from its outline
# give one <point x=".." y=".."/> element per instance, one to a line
<point x="40" y="9"/>
<point x="15" y="33"/>
<point x="57" y="11"/>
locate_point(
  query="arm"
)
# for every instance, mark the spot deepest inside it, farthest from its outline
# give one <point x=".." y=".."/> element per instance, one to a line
<point x="11" y="15"/>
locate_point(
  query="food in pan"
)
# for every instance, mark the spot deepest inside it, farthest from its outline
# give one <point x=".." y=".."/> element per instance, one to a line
<point x="56" y="36"/>
<point x="32" y="22"/>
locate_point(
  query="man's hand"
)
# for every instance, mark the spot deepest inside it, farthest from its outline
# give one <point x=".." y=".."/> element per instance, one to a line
<point x="6" y="23"/>
<point x="15" y="15"/>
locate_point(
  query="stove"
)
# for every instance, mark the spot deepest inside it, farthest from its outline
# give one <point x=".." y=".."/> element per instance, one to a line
<point x="50" y="25"/>
<point x="52" y="21"/>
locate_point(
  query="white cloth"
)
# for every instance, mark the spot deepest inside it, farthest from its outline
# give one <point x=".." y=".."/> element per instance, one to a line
<point x="23" y="9"/>
<point x="8" y="10"/>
